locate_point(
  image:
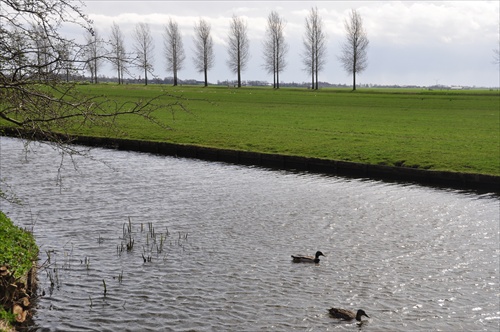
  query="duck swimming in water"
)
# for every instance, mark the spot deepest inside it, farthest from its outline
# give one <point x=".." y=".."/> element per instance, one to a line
<point x="347" y="314"/>
<point x="307" y="259"/>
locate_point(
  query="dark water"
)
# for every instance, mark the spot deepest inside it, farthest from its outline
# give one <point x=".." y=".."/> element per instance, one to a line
<point x="414" y="258"/>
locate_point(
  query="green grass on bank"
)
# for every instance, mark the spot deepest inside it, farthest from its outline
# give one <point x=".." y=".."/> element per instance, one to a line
<point x="17" y="247"/>
<point x="18" y="250"/>
<point x="437" y="130"/>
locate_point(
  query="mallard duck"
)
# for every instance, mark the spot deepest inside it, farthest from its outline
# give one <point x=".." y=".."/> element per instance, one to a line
<point x="307" y="259"/>
<point x="347" y="314"/>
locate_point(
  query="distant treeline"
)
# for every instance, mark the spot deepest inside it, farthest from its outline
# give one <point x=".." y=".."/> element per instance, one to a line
<point x="233" y="83"/>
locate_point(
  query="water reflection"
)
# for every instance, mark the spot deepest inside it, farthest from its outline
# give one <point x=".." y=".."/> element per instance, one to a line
<point x="414" y="258"/>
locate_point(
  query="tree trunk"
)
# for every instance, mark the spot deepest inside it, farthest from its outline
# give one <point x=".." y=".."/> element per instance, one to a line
<point x="95" y="71"/>
<point x="312" y="73"/>
<point x="317" y="87"/>
<point x="119" y="74"/>
<point x="277" y="75"/>
<point x="239" y="76"/>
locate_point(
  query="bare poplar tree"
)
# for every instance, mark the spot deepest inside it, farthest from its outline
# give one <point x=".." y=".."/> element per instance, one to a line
<point x="275" y="47"/>
<point x="174" y="50"/>
<point x="238" y="47"/>
<point x="66" y="54"/>
<point x="118" y="55"/>
<point x="19" y="59"/>
<point x="45" y="57"/>
<point x="314" y="56"/>
<point x="94" y="52"/>
<point x="144" y="48"/>
<point x="354" y="50"/>
<point x="204" y="48"/>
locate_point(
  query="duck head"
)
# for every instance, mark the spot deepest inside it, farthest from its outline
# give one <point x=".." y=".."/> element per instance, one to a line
<point x="361" y="313"/>
<point x="319" y="253"/>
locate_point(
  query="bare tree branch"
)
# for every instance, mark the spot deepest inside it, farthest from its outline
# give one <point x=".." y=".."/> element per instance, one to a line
<point x="36" y="62"/>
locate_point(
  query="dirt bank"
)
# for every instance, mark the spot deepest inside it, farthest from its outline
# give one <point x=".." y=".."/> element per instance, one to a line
<point x="16" y="295"/>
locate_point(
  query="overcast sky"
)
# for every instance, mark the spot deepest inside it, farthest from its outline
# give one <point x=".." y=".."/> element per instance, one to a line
<point x="411" y="42"/>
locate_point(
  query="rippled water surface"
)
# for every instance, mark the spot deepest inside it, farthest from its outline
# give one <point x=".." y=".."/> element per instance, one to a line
<point x="217" y="240"/>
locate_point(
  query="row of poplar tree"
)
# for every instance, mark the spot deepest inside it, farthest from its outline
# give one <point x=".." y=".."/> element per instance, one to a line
<point x="275" y="48"/>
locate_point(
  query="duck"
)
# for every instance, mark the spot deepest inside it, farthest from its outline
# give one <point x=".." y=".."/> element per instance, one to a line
<point x="307" y="259"/>
<point x="347" y="314"/>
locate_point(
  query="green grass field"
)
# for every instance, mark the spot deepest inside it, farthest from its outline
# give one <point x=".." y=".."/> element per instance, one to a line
<point x="437" y="130"/>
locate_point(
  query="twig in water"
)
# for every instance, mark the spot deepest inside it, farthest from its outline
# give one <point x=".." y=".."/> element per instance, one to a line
<point x="105" y="290"/>
<point x="87" y="262"/>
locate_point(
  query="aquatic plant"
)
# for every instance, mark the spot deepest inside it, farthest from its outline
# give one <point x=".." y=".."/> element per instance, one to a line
<point x="127" y="234"/>
<point x="153" y="243"/>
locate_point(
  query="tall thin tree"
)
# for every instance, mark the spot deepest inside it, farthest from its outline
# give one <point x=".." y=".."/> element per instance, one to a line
<point x="118" y="56"/>
<point x="44" y="52"/>
<point x="238" y="47"/>
<point x="354" y="56"/>
<point x="314" y="56"/>
<point x="144" y="48"/>
<point x="14" y="47"/>
<point x="174" y="49"/>
<point x="275" y="47"/>
<point x="204" y="58"/>
<point x="94" y="52"/>
<point x="64" y="51"/>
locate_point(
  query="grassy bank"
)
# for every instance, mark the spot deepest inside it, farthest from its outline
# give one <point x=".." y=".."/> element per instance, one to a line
<point x="18" y="251"/>
<point x="17" y="247"/>
<point x="438" y="130"/>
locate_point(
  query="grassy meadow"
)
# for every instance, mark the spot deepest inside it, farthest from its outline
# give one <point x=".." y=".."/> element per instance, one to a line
<point x="438" y="130"/>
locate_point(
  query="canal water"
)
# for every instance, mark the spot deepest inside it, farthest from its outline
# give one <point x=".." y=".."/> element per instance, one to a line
<point x="140" y="242"/>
